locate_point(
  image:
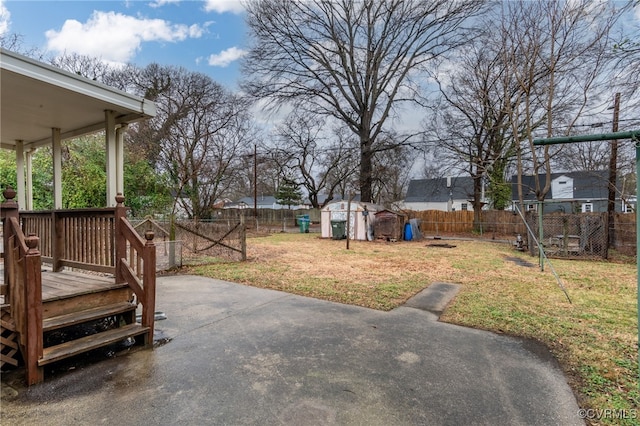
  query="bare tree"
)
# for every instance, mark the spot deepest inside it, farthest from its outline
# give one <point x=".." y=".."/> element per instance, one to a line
<point x="341" y="163"/>
<point x="89" y="67"/>
<point x="196" y="138"/>
<point x="307" y="153"/>
<point x="354" y="60"/>
<point x="560" y="54"/>
<point x="257" y="172"/>
<point x="470" y="121"/>
<point x="393" y="172"/>
<point x="15" y="43"/>
<point x="627" y="51"/>
<point x="524" y="78"/>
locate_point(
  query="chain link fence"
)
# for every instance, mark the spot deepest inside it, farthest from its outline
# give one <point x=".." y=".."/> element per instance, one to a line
<point x="195" y="241"/>
<point x="564" y="235"/>
<point x="168" y="255"/>
<point x="573" y="236"/>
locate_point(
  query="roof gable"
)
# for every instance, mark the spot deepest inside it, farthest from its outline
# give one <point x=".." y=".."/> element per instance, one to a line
<point x="439" y="190"/>
<point x="586" y="185"/>
<point x="562" y="187"/>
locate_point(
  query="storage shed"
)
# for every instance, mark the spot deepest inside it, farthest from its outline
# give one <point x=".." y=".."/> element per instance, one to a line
<point x="389" y="225"/>
<point x="361" y="218"/>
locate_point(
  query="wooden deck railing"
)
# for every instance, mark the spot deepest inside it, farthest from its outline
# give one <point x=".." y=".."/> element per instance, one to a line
<point x="23" y="286"/>
<point x="82" y="239"/>
<point x="136" y="264"/>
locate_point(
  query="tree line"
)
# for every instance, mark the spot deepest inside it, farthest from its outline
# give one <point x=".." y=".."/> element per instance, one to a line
<point x="360" y="91"/>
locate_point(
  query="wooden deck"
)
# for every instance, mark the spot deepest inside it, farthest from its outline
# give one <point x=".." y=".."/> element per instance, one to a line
<point x="60" y="285"/>
<point x="64" y="267"/>
<point x="66" y="284"/>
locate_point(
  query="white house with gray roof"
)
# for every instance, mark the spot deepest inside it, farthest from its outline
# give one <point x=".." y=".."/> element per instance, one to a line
<point x="573" y="192"/>
<point x="445" y="194"/>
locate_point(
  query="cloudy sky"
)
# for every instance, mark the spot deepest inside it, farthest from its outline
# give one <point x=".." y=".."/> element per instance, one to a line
<point x="205" y="36"/>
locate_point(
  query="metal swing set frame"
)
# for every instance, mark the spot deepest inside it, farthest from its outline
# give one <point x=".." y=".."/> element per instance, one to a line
<point x="634" y="136"/>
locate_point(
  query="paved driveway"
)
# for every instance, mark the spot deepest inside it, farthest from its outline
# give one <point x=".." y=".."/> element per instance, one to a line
<point x="241" y="355"/>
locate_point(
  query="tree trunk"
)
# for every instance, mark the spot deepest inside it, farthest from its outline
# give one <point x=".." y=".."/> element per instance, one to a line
<point x="366" y="171"/>
<point x="477" y="201"/>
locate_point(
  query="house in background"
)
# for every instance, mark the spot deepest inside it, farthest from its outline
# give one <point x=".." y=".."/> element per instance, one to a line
<point x="445" y="194"/>
<point x="262" y="202"/>
<point x="322" y="200"/>
<point x="571" y="192"/>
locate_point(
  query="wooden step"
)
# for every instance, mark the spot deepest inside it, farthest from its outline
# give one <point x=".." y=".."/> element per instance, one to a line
<point x="75" y="318"/>
<point x="87" y="343"/>
<point x="68" y="304"/>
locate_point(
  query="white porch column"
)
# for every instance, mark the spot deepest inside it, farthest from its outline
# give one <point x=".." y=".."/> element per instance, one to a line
<point x="56" y="143"/>
<point x="22" y="196"/>
<point x="120" y="131"/>
<point x="29" y="177"/>
<point x="112" y="156"/>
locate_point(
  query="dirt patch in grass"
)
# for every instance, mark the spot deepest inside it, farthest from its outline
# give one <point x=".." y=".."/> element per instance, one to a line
<point x="594" y="338"/>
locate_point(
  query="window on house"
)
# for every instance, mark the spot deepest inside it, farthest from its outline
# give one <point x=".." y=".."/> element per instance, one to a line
<point x="463" y="206"/>
<point x="587" y="208"/>
<point x="532" y="207"/>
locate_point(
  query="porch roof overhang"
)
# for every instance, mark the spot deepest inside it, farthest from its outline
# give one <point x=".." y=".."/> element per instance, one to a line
<point x="36" y="97"/>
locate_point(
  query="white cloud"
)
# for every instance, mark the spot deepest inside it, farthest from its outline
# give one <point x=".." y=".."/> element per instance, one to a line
<point x="5" y="19"/>
<point x="160" y="3"/>
<point x="225" y="57"/>
<point x="222" y="6"/>
<point x="196" y="31"/>
<point x="115" y="37"/>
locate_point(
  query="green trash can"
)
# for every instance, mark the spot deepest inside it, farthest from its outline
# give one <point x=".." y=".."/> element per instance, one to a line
<point x="303" y="223"/>
<point x="338" y="229"/>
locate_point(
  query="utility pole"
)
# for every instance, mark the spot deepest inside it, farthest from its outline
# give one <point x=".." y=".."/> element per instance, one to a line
<point x="613" y="177"/>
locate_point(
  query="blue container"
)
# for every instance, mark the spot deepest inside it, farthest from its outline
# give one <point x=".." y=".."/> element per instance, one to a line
<point x="408" y="233"/>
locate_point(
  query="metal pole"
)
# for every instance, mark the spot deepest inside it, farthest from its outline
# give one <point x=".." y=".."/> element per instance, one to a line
<point x="634" y="134"/>
<point x="255" y="182"/>
<point x="613" y="177"/>
<point x="540" y="236"/>
<point x="349" y="218"/>
<point x="638" y="243"/>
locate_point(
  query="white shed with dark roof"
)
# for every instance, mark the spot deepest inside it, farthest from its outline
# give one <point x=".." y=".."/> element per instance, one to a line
<point x="361" y="218"/>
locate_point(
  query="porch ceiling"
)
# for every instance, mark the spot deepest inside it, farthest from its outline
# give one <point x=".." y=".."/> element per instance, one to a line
<point x="36" y="97"/>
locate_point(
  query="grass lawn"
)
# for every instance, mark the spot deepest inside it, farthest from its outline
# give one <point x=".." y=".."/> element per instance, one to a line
<point x="594" y="338"/>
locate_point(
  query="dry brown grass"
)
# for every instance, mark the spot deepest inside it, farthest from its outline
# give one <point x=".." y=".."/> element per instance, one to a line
<point x="594" y="338"/>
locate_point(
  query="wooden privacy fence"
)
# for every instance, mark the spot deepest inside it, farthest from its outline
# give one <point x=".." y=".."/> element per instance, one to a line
<point x="270" y="217"/>
<point x="508" y="225"/>
<point x="461" y="222"/>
